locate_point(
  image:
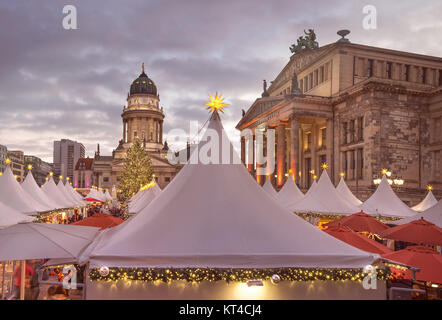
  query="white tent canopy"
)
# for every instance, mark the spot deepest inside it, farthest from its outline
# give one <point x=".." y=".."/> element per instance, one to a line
<point x="31" y="187"/>
<point x="13" y="195"/>
<point x="433" y="215"/>
<point x="146" y="198"/>
<point x="312" y="187"/>
<point x="136" y="196"/>
<point x="346" y="193"/>
<point x="385" y="202"/>
<point x="108" y="196"/>
<point x="10" y="216"/>
<point x="95" y="194"/>
<point x="66" y="196"/>
<point x="324" y="199"/>
<point x="289" y="194"/>
<point x="427" y="203"/>
<point x="269" y="188"/>
<point x="75" y="194"/>
<point x="216" y="215"/>
<point x="27" y="241"/>
<point x="53" y="193"/>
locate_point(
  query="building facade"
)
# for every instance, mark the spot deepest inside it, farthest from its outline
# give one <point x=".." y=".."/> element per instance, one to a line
<point x="142" y="119"/>
<point x="83" y="174"/>
<point x="3" y="156"/>
<point x="17" y="164"/>
<point x="357" y="109"/>
<point x="40" y="169"/>
<point x="66" y="155"/>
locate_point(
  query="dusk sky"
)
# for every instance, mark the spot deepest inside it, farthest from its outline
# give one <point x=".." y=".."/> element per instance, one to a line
<point x="57" y="83"/>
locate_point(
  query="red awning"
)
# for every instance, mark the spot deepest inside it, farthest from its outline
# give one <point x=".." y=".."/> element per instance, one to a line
<point x="357" y="240"/>
<point x="418" y="231"/>
<point x="92" y="200"/>
<point x="426" y="259"/>
<point x="100" y="220"/>
<point x="360" y="222"/>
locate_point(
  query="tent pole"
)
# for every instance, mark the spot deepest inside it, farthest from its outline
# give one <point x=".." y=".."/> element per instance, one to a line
<point x="22" y="281"/>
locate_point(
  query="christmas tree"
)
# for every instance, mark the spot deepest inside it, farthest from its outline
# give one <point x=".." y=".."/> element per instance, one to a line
<point x="137" y="170"/>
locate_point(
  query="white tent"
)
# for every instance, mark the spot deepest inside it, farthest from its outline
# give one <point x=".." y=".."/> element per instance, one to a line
<point x="216" y="215"/>
<point x="312" y="187"/>
<point x="31" y="187"/>
<point x="269" y="188"/>
<point x="27" y="241"/>
<point x="433" y="215"/>
<point x="427" y="203"/>
<point x="67" y="196"/>
<point x="136" y="196"/>
<point x="289" y="194"/>
<point x="13" y="195"/>
<point x="346" y="193"/>
<point x="53" y="193"/>
<point x="146" y="198"/>
<point x="384" y="202"/>
<point x="324" y="199"/>
<point x="10" y="216"/>
<point x="108" y="196"/>
<point x="75" y="194"/>
<point x="95" y="194"/>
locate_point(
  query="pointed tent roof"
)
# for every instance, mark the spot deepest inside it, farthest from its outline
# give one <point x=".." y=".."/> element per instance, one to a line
<point x="427" y="203"/>
<point x="108" y="196"/>
<point x="312" y="187"/>
<point x="136" y="196"/>
<point x="289" y="193"/>
<point x="67" y="196"/>
<point x="31" y="187"/>
<point x="94" y="194"/>
<point x="10" y="216"/>
<point x="269" y="188"/>
<point x="433" y="215"/>
<point x="76" y="195"/>
<point x="146" y="198"/>
<point x="216" y="215"/>
<point x="53" y="193"/>
<point x="385" y="202"/>
<point x="71" y="195"/>
<point x="346" y="193"/>
<point x="324" y="199"/>
<point x="13" y="195"/>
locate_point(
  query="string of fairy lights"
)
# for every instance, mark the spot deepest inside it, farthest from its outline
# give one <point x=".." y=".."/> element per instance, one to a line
<point x="196" y="275"/>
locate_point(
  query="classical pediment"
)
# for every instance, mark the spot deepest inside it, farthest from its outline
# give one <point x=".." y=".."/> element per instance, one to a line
<point x="260" y="106"/>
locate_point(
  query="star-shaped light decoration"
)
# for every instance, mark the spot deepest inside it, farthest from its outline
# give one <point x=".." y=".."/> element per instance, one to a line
<point x="429" y="187"/>
<point x="216" y="103"/>
<point x="324" y="166"/>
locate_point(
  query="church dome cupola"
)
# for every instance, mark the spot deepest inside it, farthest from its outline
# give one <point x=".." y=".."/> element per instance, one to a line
<point x="143" y="85"/>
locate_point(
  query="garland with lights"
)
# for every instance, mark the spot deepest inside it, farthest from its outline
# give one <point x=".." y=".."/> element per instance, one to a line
<point x="232" y="275"/>
<point x="337" y="216"/>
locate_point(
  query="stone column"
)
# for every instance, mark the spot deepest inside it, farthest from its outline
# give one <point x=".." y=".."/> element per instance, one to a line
<point x="294" y="147"/>
<point x="243" y="149"/>
<point x="161" y="131"/>
<point x="124" y="131"/>
<point x="329" y="141"/>
<point x="251" y="154"/>
<point x="314" y="160"/>
<point x="280" y="154"/>
<point x="260" y="154"/>
<point x="129" y="130"/>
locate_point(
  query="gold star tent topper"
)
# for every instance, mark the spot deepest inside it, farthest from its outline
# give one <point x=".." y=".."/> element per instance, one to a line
<point x="216" y="103"/>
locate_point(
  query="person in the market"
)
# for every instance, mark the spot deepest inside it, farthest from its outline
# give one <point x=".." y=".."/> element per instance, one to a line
<point x="17" y="280"/>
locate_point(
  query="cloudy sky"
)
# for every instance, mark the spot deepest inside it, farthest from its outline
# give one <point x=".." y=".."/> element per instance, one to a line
<point x="57" y="83"/>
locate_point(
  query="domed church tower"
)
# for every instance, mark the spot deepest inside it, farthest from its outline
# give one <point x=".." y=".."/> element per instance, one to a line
<point x="143" y="117"/>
